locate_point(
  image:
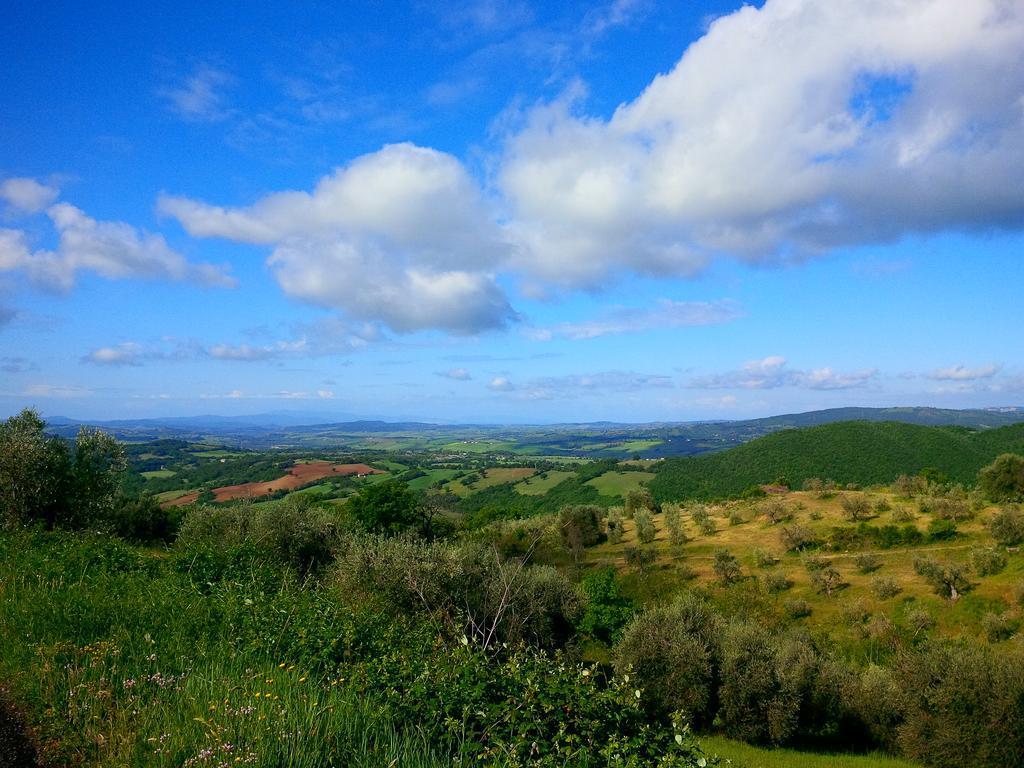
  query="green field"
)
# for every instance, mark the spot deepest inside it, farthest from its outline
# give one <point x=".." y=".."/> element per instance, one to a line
<point x="491" y="477"/>
<point x="620" y="483"/>
<point x="537" y="485"/>
<point x="159" y="473"/>
<point x="746" y="756"/>
<point x="432" y="476"/>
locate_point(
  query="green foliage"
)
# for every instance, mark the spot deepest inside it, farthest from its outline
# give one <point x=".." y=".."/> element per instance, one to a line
<point x="988" y="561"/>
<point x="776" y="582"/>
<point x="964" y="706"/>
<point x="44" y="480"/>
<point x="672" y="653"/>
<point x="727" y="567"/>
<point x="885" y="587"/>
<point x="388" y="507"/>
<point x="851" y="452"/>
<point x="1007" y="526"/>
<point x="1003" y="479"/>
<point x="607" y="611"/>
<point x="644" y="522"/>
<point x="142" y="520"/>
<point x="580" y="527"/>
<point x="948" y="579"/>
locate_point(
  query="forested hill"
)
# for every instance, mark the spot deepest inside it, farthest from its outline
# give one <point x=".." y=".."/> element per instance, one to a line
<point x="848" y="452"/>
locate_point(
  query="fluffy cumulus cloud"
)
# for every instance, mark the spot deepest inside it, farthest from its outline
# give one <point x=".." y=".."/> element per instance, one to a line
<point x="27" y="195"/>
<point x="783" y="132"/>
<point x="400" y="236"/>
<point x="111" y="249"/>
<point x="774" y="372"/>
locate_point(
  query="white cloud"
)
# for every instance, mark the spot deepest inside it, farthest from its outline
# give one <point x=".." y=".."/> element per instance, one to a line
<point x="400" y="236"/>
<point x="501" y="384"/>
<point x="572" y="386"/>
<point x="127" y="353"/>
<point x="111" y="249"/>
<point x="785" y="131"/>
<point x="665" y="313"/>
<point x="773" y="372"/>
<point x="200" y="96"/>
<point x="456" y="374"/>
<point x="27" y="195"/>
<point x="963" y="373"/>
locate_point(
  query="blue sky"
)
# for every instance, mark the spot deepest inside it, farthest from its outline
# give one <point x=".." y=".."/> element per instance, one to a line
<point x="508" y="211"/>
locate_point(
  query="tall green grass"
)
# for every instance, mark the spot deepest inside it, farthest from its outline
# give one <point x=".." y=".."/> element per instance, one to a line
<point x="746" y="756"/>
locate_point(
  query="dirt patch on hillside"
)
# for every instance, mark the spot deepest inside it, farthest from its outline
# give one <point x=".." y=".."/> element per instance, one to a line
<point x="16" y="749"/>
<point x="297" y="477"/>
<point x="188" y="498"/>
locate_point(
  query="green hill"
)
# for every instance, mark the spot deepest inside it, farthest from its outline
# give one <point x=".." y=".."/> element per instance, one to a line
<point x="847" y="452"/>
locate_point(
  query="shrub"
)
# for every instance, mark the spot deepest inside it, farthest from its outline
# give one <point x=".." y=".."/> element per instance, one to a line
<point x="774" y="511"/>
<point x="953" y="507"/>
<point x="639" y="557"/>
<point x="580" y="526"/>
<point x="885" y="588"/>
<point x="855" y="613"/>
<point x="998" y="626"/>
<point x="908" y="487"/>
<point x="920" y="621"/>
<point x="1007" y="526"/>
<point x="143" y="521"/>
<point x="1003" y="479"/>
<point x="764" y="558"/>
<point x="614" y="525"/>
<point x="776" y="582"/>
<point x="727" y="567"/>
<point x="947" y="579"/>
<point x="797" y="538"/>
<point x="867" y="563"/>
<point x="674" y="523"/>
<point x="988" y="560"/>
<point x="942" y="530"/>
<point x="640" y="499"/>
<point x="882" y="505"/>
<point x="826" y="580"/>
<point x="902" y="514"/>
<point x="735" y="517"/>
<point x="607" y="611"/>
<point x="388" y="507"/>
<point x="855" y="508"/>
<point x="672" y="654"/>
<point x="797" y="608"/>
<point x="963" y="706"/>
<point x="644" y="521"/>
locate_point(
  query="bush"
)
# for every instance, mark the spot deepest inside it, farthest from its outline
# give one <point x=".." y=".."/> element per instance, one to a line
<point x="774" y="511"/>
<point x="639" y="557"/>
<point x="1007" y="526"/>
<point x="764" y="558"/>
<point x="388" y="507"/>
<point x="143" y="521"/>
<point x="953" y="507"/>
<point x="607" y="611"/>
<point x="580" y="526"/>
<point x="707" y="526"/>
<point x="920" y="621"/>
<point x="963" y="706"/>
<point x="947" y="579"/>
<point x="644" y="522"/>
<point x="867" y="563"/>
<point x="1003" y="479"/>
<point x="856" y="508"/>
<point x="902" y="514"/>
<point x="908" y="487"/>
<point x="672" y="654"/>
<point x="797" y="538"/>
<point x="998" y="626"/>
<point x="776" y="582"/>
<point x="727" y="567"/>
<point x="988" y="561"/>
<point x="614" y="525"/>
<point x="797" y="608"/>
<point x="885" y="588"/>
<point x="674" y="523"/>
<point x="942" y="530"/>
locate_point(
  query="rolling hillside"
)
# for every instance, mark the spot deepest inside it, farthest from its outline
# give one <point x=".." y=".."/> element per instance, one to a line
<point x="847" y="452"/>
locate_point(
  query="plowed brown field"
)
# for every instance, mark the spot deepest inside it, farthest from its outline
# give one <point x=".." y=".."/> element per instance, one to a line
<point x="298" y="476"/>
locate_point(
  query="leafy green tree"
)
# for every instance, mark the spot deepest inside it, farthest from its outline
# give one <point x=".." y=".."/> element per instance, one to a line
<point x="727" y="567"/>
<point x="1007" y="526"/>
<point x="96" y="468"/>
<point x="34" y="472"/>
<point x="607" y="611"/>
<point x="387" y="507"/>
<point x="1003" y="479"/>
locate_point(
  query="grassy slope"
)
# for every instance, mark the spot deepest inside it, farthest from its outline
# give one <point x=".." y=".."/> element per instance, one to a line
<point x="848" y="452"/>
<point x="746" y="756"/>
<point x="995" y="593"/>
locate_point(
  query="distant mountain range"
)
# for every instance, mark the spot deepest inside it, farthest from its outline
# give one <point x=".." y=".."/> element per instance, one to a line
<point x="588" y="440"/>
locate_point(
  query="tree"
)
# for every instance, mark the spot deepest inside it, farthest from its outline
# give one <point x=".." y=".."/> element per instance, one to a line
<point x="947" y="579"/>
<point x="856" y="508"/>
<point x="644" y="521"/>
<point x="580" y="526"/>
<point x="1007" y="526"/>
<point x="1003" y="479"/>
<point x="387" y="507"/>
<point x="727" y="567"/>
<point x="96" y="467"/>
<point x="34" y="471"/>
